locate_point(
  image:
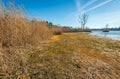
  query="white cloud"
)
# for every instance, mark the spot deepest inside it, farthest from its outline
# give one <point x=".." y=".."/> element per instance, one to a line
<point x="100" y="19"/>
<point x="81" y="9"/>
<point x="78" y="4"/>
<point x="87" y="4"/>
<point x="97" y="6"/>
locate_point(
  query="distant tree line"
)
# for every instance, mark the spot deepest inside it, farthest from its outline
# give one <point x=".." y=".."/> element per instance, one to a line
<point x="112" y="29"/>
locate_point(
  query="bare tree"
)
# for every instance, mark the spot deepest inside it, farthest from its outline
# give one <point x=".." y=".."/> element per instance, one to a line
<point x="83" y="20"/>
<point x="107" y="26"/>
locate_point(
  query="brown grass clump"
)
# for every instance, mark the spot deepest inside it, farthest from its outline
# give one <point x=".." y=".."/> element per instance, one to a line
<point x="57" y="30"/>
<point x="17" y="35"/>
<point x="18" y="31"/>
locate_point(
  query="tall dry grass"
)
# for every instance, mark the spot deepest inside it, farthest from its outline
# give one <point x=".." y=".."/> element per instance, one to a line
<point x="17" y="30"/>
<point x="57" y="30"/>
<point x="17" y="33"/>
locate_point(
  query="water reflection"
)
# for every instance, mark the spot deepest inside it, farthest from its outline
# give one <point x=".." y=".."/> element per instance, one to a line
<point x="111" y="34"/>
<point x="105" y="34"/>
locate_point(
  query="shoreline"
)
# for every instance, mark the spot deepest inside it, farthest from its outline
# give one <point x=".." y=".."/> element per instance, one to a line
<point x="108" y="36"/>
<point x="107" y="45"/>
<point x="112" y="39"/>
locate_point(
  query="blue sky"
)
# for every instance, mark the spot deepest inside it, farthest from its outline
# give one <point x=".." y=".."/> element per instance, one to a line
<point x="66" y="12"/>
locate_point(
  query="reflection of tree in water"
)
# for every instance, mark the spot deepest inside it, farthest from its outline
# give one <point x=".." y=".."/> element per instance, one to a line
<point x="105" y="34"/>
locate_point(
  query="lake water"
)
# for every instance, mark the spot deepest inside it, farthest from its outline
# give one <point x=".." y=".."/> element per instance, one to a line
<point x="111" y="34"/>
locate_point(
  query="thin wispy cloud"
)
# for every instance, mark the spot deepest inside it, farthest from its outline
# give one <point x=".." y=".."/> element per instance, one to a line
<point x="81" y="9"/>
<point x="92" y="6"/>
<point x="97" y="6"/>
<point x="78" y="4"/>
<point x="87" y="4"/>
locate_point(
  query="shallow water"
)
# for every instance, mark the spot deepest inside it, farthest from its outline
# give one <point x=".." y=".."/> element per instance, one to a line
<point x="111" y="34"/>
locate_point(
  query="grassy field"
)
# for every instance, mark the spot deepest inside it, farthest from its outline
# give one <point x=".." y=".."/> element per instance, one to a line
<point x="38" y="49"/>
<point x="72" y="56"/>
<point x="76" y="56"/>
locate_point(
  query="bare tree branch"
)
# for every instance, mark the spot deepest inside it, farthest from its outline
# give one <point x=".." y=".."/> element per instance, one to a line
<point x="83" y="20"/>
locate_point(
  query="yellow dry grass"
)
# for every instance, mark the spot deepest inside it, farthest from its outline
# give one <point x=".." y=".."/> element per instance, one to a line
<point x="66" y="56"/>
<point x="73" y="56"/>
<point x="55" y="38"/>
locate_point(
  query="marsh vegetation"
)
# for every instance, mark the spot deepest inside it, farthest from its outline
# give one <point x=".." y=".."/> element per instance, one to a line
<point x="37" y="49"/>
